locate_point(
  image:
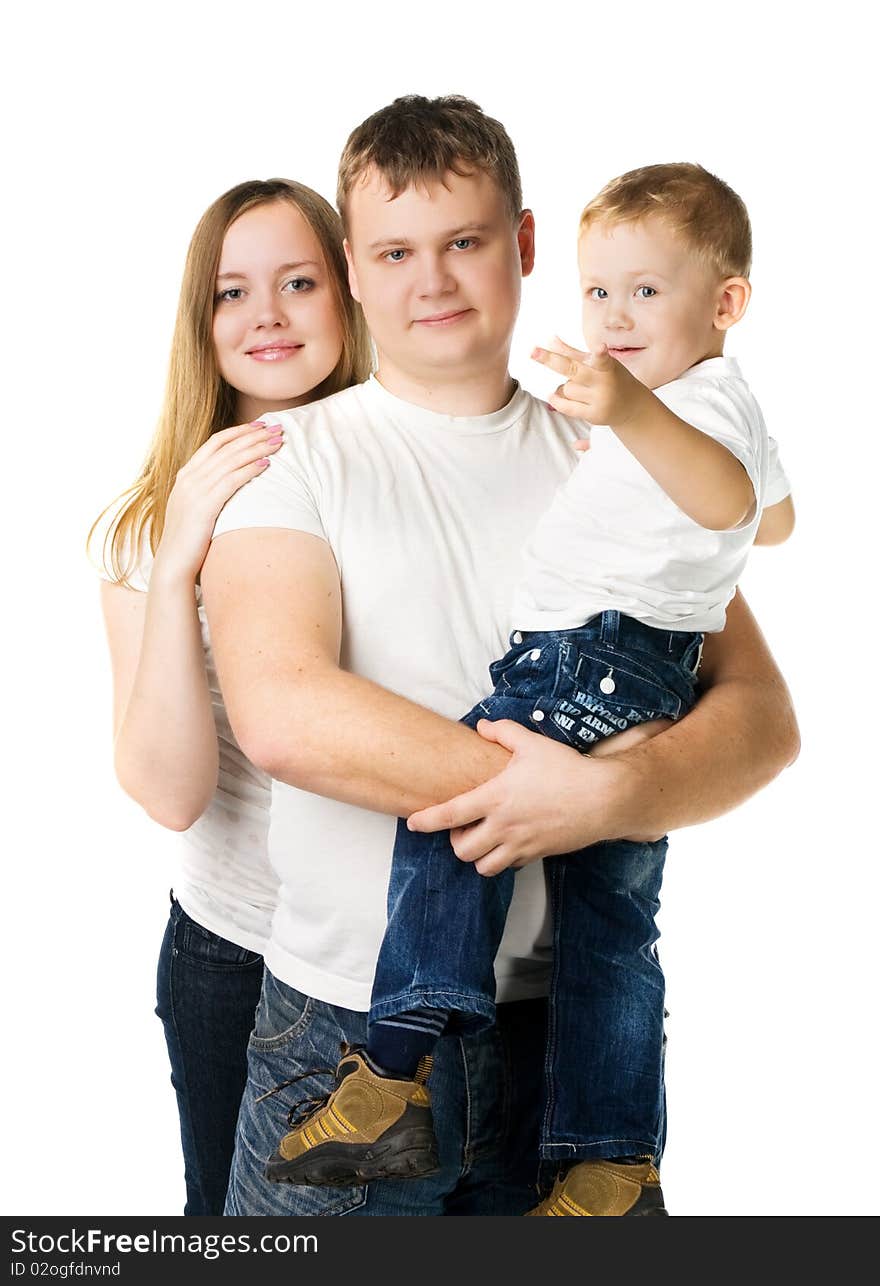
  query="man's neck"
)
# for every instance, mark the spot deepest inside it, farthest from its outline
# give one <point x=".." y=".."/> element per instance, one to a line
<point x="447" y="394"/>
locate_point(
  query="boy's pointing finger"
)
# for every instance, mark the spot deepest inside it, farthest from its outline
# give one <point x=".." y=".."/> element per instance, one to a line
<point x="570" y="367"/>
<point x="560" y="346"/>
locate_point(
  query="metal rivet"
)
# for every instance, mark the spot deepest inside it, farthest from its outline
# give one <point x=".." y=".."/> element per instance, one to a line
<point x="537" y="715"/>
<point x="535" y="653"/>
<point x="516" y="636"/>
<point x="607" y="685"/>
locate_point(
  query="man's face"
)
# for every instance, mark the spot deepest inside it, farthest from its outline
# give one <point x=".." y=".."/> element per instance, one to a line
<point x="438" y="270"/>
<point x="649" y="298"/>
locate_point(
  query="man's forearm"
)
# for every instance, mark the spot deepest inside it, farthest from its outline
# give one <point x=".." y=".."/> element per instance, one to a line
<point x="738" y="737"/>
<point x="357" y="742"/>
<point x="275" y="612"/>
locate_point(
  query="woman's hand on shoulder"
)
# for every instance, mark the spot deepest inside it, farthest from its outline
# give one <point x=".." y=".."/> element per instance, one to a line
<point x="223" y="464"/>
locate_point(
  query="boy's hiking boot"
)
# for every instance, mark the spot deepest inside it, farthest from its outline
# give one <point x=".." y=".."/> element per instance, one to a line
<point x="368" y="1127"/>
<point x="605" y="1188"/>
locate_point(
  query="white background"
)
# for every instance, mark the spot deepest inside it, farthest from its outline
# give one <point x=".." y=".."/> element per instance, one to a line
<point x="121" y="126"/>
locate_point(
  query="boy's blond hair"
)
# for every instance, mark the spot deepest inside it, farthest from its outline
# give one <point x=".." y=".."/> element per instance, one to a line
<point x="696" y="204"/>
<point x="416" y="140"/>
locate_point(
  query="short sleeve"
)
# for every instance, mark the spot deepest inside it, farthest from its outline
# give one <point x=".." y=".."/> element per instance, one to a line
<point x="778" y="485"/>
<point x="283" y="495"/>
<point x="723" y="410"/>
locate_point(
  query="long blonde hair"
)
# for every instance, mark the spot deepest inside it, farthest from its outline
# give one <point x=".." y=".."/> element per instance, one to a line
<point x="198" y="400"/>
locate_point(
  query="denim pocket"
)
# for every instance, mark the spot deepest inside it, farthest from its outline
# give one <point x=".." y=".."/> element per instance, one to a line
<point x="601" y="691"/>
<point x="283" y="1014"/>
<point x="621" y="681"/>
<point x="203" y="947"/>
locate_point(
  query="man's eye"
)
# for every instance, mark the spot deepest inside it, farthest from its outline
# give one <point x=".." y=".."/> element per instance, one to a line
<point x="645" y="292"/>
<point x="596" y="292"/>
<point x="298" y="285"/>
<point x="395" y="256"/>
<point x="230" y="295"/>
<point x="463" y="243"/>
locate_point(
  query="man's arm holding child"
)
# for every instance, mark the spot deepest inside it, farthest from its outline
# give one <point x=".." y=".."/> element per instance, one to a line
<point x="737" y="738"/>
<point x="274" y="607"/>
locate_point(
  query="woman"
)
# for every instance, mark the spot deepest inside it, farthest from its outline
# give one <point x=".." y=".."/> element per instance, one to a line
<point x="265" y="322"/>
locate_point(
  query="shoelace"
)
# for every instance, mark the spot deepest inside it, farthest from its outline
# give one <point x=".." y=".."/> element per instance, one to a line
<point x="301" y="1111"/>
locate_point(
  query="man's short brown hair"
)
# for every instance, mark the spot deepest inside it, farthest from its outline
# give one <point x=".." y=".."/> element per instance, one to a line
<point x="417" y="140"/>
<point x="696" y="204"/>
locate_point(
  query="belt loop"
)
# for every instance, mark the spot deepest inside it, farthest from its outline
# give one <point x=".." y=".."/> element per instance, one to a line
<point x="610" y="627"/>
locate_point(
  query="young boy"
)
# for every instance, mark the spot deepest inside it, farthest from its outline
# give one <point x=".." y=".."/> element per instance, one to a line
<point x="637" y="557"/>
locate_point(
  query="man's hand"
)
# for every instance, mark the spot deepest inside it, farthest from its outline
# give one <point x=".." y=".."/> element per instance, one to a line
<point x="598" y="388"/>
<point x="535" y="807"/>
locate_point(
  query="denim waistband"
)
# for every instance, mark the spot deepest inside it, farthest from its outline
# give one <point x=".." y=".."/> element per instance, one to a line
<point x="617" y="630"/>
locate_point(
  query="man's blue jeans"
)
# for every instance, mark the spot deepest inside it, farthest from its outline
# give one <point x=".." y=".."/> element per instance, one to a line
<point x="207" y="991"/>
<point x="487" y="1091"/>
<point x="604" y="1058"/>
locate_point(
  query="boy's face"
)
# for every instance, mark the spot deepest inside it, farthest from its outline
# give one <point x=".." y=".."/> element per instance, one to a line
<point x="438" y="271"/>
<point x="649" y="298"/>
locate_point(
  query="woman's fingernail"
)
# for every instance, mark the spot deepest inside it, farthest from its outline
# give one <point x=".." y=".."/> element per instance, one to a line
<point x="258" y="424"/>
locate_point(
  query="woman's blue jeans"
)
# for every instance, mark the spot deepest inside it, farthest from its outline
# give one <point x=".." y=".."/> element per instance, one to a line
<point x="207" y="990"/>
<point x="604" y="1089"/>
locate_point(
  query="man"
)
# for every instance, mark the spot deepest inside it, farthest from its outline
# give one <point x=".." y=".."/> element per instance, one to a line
<point x="356" y="593"/>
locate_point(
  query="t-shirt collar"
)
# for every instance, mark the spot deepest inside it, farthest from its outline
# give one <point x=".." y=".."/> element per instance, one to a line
<point x="408" y="415"/>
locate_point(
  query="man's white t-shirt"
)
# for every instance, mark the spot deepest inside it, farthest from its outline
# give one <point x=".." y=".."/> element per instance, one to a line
<point x="613" y="539"/>
<point x="426" y="515"/>
<point x="224" y="880"/>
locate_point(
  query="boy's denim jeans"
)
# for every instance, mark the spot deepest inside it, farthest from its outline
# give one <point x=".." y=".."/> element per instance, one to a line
<point x="604" y="1056"/>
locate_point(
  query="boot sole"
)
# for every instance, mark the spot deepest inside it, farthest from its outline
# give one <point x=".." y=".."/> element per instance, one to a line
<point x="410" y="1155"/>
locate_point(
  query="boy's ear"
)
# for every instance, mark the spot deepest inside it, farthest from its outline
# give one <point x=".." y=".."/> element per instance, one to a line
<point x="733" y="300"/>
<point x="525" y="236"/>
<point x="352" y="275"/>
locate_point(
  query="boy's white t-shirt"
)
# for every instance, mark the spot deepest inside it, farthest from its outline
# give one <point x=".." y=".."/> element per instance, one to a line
<point x="426" y="515"/>
<point x="224" y="880"/>
<point x="613" y="539"/>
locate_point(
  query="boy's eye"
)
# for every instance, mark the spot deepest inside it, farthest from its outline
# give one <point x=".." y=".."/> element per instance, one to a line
<point x="463" y="243"/>
<point x="645" y="292"/>
<point x="596" y="292"/>
<point x="298" y="285"/>
<point x="230" y="295"/>
<point x="395" y="256"/>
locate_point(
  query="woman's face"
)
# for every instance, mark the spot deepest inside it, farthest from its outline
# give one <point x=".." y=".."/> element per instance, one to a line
<point x="277" y="334"/>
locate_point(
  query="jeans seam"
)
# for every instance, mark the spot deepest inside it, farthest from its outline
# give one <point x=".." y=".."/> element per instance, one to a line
<point x="175" y="957"/>
<point x="557" y="874"/>
<point x="467" y="1157"/>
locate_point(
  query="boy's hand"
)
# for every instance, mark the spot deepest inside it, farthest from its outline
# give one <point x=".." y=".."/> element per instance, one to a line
<point x="598" y="388"/>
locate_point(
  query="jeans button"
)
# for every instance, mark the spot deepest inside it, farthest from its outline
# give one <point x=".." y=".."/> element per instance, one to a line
<point x="537" y="715"/>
